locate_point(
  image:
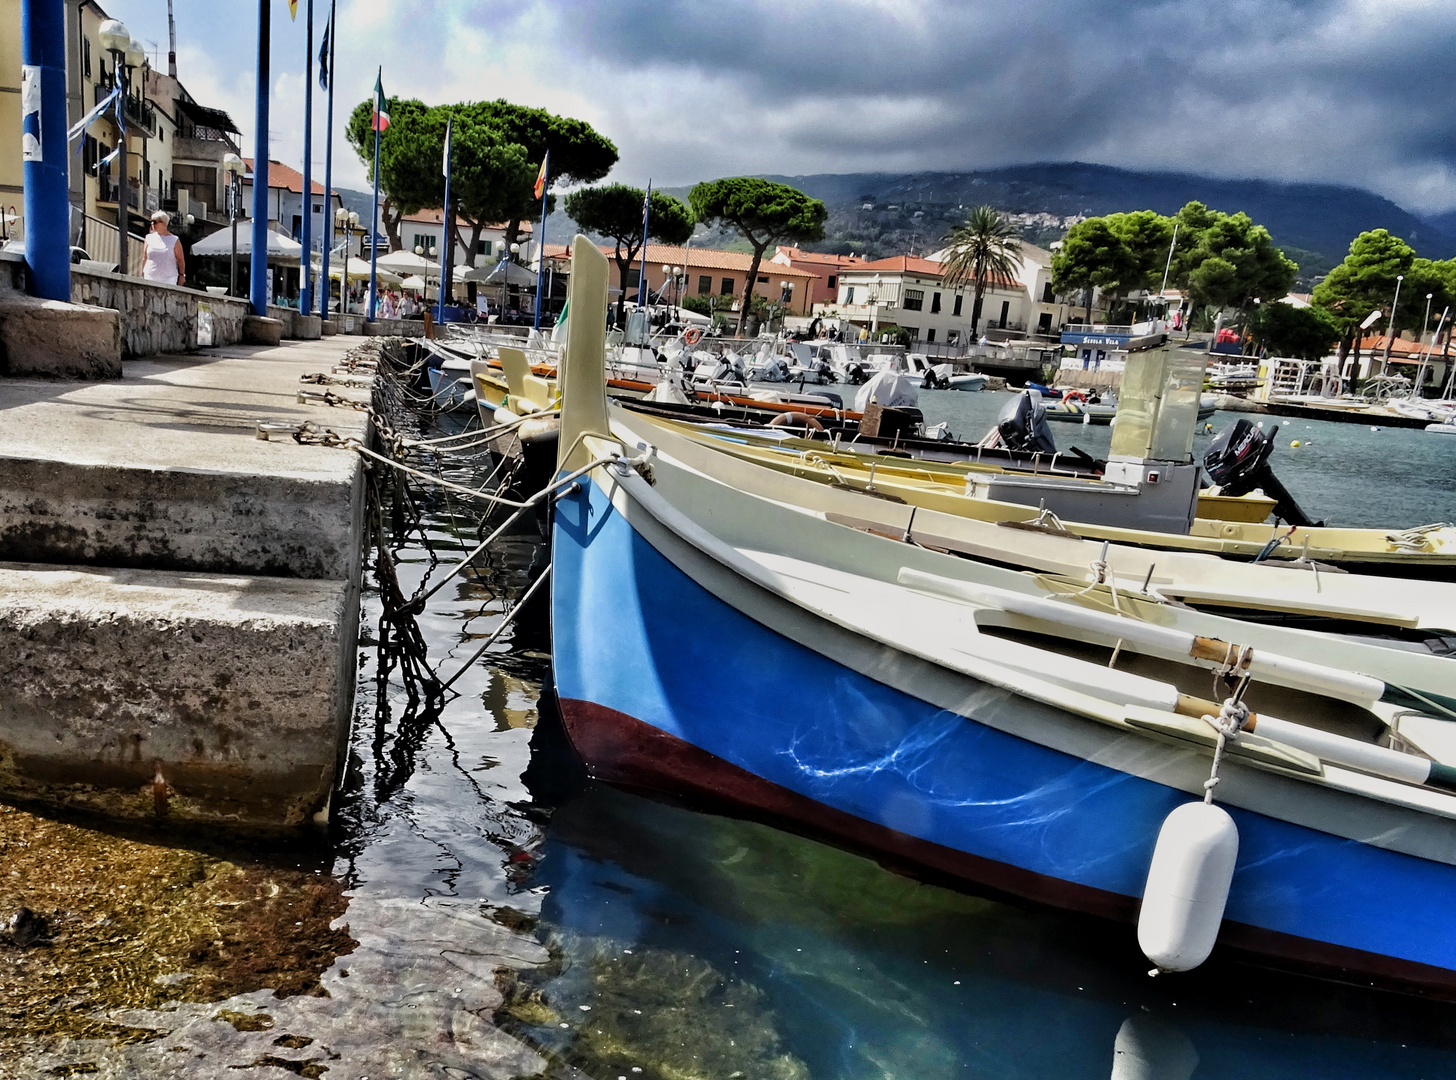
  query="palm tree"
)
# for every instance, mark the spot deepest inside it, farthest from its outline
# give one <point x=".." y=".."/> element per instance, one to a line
<point x="983" y="250"/>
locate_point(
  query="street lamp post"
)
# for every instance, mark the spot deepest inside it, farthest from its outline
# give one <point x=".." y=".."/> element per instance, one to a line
<point x="116" y="39"/>
<point x="874" y="292"/>
<point x="1390" y="330"/>
<point x="233" y="166"/>
<point x="1426" y="322"/>
<point x="348" y="221"/>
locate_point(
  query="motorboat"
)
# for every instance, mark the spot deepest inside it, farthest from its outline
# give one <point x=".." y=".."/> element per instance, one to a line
<point x="974" y="723"/>
<point x="1077" y="407"/>
<point x="1148" y="494"/>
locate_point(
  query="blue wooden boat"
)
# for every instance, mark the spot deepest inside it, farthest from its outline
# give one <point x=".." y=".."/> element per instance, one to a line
<point x="711" y="642"/>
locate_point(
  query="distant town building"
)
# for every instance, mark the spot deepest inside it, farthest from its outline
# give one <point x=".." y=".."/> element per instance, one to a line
<point x="426" y="229"/>
<point x="285" y="202"/>
<point x="824" y="289"/>
<point x="909" y="291"/>
<point x="709" y="272"/>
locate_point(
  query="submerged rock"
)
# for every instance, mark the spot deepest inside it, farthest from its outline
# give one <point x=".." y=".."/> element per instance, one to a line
<point x="25" y="928"/>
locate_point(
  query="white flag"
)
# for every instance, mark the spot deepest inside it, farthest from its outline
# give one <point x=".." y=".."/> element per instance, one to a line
<point x="449" y="124"/>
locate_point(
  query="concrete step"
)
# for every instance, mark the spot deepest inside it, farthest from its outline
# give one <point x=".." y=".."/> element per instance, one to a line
<point x="198" y="697"/>
<point x="162" y="469"/>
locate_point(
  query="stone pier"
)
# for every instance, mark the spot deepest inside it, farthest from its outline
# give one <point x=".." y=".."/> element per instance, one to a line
<point x="178" y="598"/>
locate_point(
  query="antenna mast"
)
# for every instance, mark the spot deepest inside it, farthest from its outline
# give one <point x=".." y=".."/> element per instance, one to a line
<point x="171" y="42"/>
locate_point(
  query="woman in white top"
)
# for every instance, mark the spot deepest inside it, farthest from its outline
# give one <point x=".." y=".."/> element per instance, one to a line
<point x="164" y="260"/>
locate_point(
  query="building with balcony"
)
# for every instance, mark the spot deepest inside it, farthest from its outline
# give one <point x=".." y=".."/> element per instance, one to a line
<point x="425" y="230"/>
<point x="286" y="202"/>
<point x="166" y="166"/>
<point x="185" y="163"/>
<point x="910" y="292"/>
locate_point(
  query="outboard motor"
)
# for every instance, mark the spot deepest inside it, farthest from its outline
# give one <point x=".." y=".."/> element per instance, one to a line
<point x="1238" y="462"/>
<point x="1023" y="425"/>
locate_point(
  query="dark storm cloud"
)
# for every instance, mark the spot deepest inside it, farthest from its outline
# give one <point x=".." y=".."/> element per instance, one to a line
<point x="1335" y="91"/>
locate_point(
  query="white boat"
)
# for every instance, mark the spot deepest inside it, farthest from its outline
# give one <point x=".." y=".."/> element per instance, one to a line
<point x="958" y="718"/>
<point x="971" y="381"/>
<point x="1445" y="427"/>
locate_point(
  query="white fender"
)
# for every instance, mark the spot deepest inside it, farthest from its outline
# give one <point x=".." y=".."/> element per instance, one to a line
<point x="1188" y="885"/>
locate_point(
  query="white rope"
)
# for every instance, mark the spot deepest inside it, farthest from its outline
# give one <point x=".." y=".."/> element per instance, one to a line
<point x="1233" y="715"/>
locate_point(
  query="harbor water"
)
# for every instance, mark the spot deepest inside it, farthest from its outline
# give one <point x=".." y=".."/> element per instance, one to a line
<point x="481" y="910"/>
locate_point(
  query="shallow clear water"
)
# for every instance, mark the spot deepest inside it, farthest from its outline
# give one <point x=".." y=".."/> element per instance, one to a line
<point x="512" y="919"/>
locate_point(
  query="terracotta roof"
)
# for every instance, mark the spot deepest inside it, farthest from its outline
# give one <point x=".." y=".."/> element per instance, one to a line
<point x="696" y="259"/>
<point x="821" y="258"/>
<point x="281" y="176"/>
<point x="436" y="216"/>
<point x="903" y="264"/>
<point x="1399" y="347"/>
<point x="914" y="264"/>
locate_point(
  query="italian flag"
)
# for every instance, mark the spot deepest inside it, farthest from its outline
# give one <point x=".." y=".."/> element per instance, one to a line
<point x="380" y="121"/>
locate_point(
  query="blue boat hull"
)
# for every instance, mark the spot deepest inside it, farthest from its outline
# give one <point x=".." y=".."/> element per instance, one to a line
<point x="663" y="685"/>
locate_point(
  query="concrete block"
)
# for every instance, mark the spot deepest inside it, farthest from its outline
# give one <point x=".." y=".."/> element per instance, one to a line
<point x="198" y="697"/>
<point x="56" y="340"/>
<point x="183" y="517"/>
<point x="330" y="327"/>
<point x="260" y="331"/>
<point x="162" y="470"/>
<point x="307" y="327"/>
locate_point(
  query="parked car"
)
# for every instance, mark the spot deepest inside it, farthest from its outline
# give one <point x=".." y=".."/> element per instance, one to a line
<point x="78" y="254"/>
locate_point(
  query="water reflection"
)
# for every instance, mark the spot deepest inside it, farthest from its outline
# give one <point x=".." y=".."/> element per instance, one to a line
<point x="855" y="972"/>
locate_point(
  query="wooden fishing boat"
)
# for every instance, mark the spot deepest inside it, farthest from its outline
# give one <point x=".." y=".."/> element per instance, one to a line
<point x="946" y="713"/>
<point x="1221" y="525"/>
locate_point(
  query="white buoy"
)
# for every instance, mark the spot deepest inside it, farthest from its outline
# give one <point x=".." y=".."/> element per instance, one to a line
<point x="1188" y="885"/>
<point x="1148" y="1049"/>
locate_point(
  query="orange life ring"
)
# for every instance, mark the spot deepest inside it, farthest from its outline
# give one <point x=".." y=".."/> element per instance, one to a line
<point x="796" y="419"/>
<point x="1070" y="394"/>
<point x="692" y="335"/>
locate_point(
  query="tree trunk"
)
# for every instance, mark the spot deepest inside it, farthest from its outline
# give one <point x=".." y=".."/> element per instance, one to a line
<point x="513" y="230"/>
<point x="976" y="307"/>
<point x="391" y="223"/>
<point x="748" y="287"/>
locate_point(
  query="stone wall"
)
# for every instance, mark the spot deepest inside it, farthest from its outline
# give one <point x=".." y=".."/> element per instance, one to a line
<point x="157" y="318"/>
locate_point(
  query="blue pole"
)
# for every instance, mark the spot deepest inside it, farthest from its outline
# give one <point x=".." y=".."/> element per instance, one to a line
<point x="305" y="289"/>
<point x="43" y="142"/>
<point x="324" y="283"/>
<point x="646" y="214"/>
<point x="541" y="240"/>
<point x="447" y="232"/>
<point x="258" y="264"/>
<point x="374" y="219"/>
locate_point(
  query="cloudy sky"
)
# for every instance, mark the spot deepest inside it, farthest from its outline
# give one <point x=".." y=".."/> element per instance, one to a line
<point x="1346" y="91"/>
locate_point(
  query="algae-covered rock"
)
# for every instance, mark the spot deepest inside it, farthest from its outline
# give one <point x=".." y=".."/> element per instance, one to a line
<point x="653" y="1014"/>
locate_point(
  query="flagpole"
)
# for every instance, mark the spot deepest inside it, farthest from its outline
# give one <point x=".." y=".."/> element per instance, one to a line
<point x="305" y="290"/>
<point x="374" y="218"/>
<point x="258" y="263"/>
<point x="447" y="234"/>
<point x="325" y="286"/>
<point x="541" y="240"/>
<point x="646" y="213"/>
